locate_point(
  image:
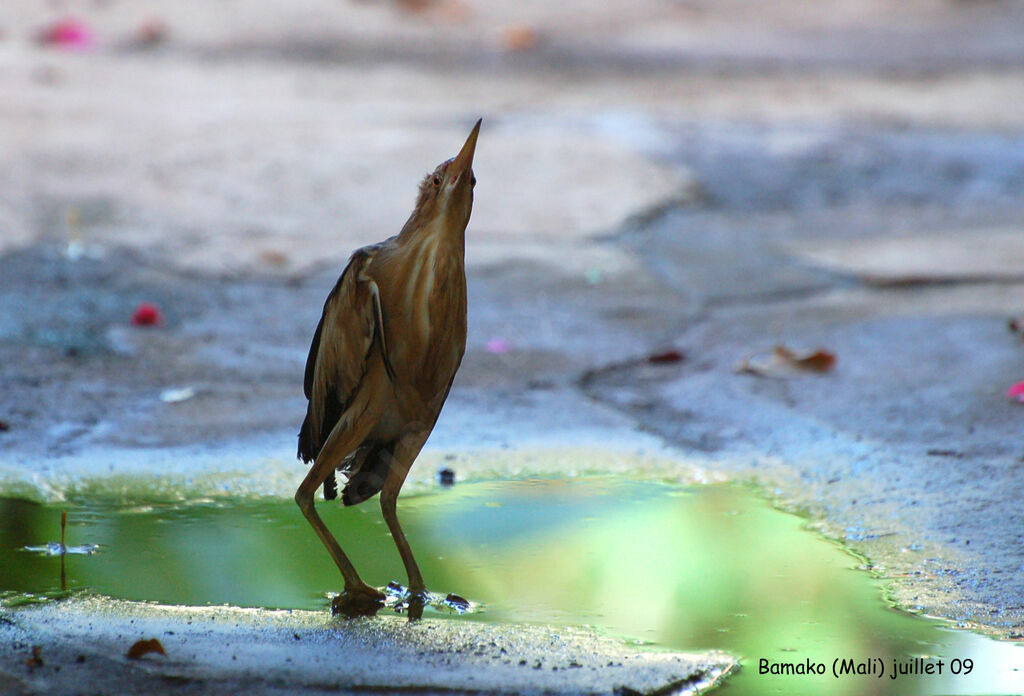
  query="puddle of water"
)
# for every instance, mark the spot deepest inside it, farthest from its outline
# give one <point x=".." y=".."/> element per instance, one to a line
<point x="680" y="568"/>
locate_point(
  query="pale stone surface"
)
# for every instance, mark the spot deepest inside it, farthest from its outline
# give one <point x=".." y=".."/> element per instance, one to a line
<point x="183" y="175"/>
<point x="230" y="650"/>
<point x="959" y="255"/>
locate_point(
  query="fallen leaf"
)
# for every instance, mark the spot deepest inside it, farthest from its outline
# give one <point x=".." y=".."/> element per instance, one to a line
<point x="945" y="453"/>
<point x="518" y="37"/>
<point x="665" y="356"/>
<point x="273" y="257"/>
<point x="784" y="362"/>
<point x="453" y="11"/>
<point x="37" y="658"/>
<point x="151" y="32"/>
<point x="415" y="6"/>
<point x="144" y="647"/>
<point x="1016" y="326"/>
<point x="1016" y="391"/>
<point x="818" y="361"/>
<point x="147" y="314"/>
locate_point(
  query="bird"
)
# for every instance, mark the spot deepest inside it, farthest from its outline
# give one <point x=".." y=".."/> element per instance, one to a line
<point x="381" y="364"/>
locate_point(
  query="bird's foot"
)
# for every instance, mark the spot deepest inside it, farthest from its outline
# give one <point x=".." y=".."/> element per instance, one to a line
<point x="359" y="601"/>
<point x="415" y="603"/>
<point x="410" y="601"/>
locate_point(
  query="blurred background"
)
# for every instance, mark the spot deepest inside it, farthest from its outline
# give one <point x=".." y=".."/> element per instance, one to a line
<point x="666" y="189"/>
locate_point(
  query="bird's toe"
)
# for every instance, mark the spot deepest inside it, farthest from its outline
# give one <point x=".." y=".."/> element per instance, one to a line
<point x="363" y="601"/>
<point x="415" y="603"/>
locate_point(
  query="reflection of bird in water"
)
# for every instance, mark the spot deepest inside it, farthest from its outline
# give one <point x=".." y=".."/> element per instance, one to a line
<point x="383" y="358"/>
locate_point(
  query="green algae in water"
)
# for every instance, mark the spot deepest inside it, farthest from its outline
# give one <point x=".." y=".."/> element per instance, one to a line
<point x="712" y="567"/>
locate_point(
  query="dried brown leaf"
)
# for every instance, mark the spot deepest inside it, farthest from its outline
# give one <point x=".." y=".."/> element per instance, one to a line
<point x="274" y="257"/>
<point x="665" y="356"/>
<point x="144" y="647"/>
<point x="1016" y="326"/>
<point x="415" y="5"/>
<point x="785" y="362"/>
<point x="818" y="361"/>
<point x="518" y="38"/>
<point x="151" y="32"/>
<point x="37" y="658"/>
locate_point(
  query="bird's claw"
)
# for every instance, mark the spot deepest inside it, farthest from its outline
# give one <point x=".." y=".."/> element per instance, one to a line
<point x="409" y="601"/>
<point x="415" y="603"/>
<point x="363" y="601"/>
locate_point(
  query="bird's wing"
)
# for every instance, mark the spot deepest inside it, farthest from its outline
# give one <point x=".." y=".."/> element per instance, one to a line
<point x="349" y="329"/>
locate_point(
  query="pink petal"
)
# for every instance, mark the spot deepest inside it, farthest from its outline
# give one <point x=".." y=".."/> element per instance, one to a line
<point x="68" y="33"/>
<point x="1016" y="391"/>
<point x="498" y="345"/>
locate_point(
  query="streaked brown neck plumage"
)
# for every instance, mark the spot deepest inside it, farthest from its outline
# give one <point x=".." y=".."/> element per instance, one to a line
<point x="445" y="199"/>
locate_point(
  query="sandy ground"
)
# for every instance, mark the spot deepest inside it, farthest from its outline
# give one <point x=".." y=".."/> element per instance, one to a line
<point x="714" y="177"/>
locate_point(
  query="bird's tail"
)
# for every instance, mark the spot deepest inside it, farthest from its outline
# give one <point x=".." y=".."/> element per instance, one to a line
<point x="307" y="448"/>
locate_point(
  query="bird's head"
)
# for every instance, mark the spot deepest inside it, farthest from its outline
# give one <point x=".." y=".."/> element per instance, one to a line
<point x="446" y="194"/>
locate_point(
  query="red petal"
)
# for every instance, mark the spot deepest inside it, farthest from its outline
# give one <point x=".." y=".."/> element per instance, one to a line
<point x="147" y="314"/>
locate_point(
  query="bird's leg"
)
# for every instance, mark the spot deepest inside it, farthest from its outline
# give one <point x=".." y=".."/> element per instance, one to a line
<point x="358" y="598"/>
<point x="387" y="506"/>
<point x="417" y="590"/>
<point x="404" y="455"/>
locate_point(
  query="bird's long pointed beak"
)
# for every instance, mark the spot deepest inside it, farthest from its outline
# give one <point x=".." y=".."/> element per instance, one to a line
<point x="464" y="160"/>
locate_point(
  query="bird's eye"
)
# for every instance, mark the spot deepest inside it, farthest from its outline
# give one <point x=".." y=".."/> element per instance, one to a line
<point x="437" y="181"/>
<point x="472" y="181"/>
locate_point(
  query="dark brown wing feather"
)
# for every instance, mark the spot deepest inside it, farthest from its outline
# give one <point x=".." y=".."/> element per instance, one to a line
<point x="337" y="358"/>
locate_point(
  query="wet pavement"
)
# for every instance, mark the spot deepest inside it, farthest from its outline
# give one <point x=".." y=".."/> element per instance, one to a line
<point x="720" y="569"/>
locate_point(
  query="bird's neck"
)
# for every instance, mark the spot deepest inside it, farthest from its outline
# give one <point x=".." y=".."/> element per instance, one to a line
<point x="434" y="236"/>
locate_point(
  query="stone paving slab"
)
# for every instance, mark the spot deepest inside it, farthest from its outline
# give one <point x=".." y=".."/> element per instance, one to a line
<point x="905" y="450"/>
<point x="211" y="650"/>
<point x="958" y="255"/>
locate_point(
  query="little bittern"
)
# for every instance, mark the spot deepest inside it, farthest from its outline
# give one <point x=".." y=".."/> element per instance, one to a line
<point x="382" y="361"/>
